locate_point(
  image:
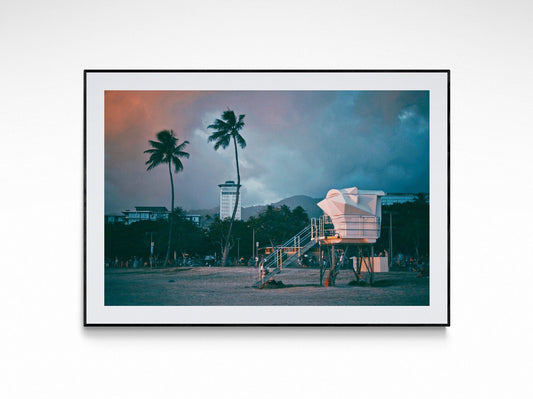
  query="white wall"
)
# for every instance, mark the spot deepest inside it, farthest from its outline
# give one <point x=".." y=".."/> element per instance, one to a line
<point x="45" y="351"/>
<point x="381" y="264"/>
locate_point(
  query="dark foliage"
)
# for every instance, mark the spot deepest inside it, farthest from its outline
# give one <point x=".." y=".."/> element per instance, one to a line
<point x="125" y="241"/>
<point x="410" y="233"/>
<point x="410" y="228"/>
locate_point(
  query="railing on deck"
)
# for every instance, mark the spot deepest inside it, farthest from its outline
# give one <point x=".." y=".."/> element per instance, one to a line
<point x="345" y="226"/>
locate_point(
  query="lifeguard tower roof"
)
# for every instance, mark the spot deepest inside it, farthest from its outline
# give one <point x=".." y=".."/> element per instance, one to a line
<point x="355" y="214"/>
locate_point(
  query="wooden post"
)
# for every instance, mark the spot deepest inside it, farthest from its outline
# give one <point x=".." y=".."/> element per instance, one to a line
<point x="322" y="266"/>
<point x="332" y="267"/>
<point x="359" y="263"/>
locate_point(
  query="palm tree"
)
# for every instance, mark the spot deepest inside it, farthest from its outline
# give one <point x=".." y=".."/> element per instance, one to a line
<point x="226" y="129"/>
<point x="167" y="151"/>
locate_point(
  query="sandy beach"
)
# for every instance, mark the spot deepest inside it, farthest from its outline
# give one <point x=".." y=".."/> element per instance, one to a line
<point x="232" y="286"/>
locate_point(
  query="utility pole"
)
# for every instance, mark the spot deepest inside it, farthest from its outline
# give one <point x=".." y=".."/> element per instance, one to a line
<point x="390" y="240"/>
<point x="390" y="235"/>
<point x="151" y="249"/>
<point x="253" y="244"/>
<point x="238" y="249"/>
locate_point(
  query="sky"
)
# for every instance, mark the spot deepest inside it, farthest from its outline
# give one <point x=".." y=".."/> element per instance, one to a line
<point x="298" y="143"/>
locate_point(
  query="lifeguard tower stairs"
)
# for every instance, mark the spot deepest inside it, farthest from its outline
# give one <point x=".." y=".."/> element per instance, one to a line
<point x="285" y="254"/>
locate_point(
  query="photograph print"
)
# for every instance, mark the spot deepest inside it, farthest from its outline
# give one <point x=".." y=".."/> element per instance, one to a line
<point x="266" y="198"/>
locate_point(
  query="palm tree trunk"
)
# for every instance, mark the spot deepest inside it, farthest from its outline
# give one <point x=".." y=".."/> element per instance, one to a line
<point x="226" y="247"/>
<point x="171" y="216"/>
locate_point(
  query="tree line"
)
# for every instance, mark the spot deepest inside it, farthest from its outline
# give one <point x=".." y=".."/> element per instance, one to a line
<point x="271" y="227"/>
<point x="410" y="228"/>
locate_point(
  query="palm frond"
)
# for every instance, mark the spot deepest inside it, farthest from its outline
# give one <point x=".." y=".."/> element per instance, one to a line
<point x="157" y="144"/>
<point x="156" y="156"/>
<point x="181" y="154"/>
<point x="240" y="140"/>
<point x="216" y="135"/>
<point x="178" y="166"/>
<point x="178" y="151"/>
<point x="218" y="125"/>
<point x="152" y="165"/>
<point x="240" y="124"/>
<point x="181" y="146"/>
<point x="166" y="137"/>
<point x="165" y="150"/>
<point x="229" y="117"/>
<point x="156" y="159"/>
<point x="226" y="128"/>
<point x="223" y="142"/>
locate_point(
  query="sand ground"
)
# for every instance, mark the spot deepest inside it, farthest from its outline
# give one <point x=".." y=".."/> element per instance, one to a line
<point x="230" y="286"/>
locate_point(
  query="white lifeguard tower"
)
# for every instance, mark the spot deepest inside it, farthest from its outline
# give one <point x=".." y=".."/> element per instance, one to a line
<point x="352" y="218"/>
<point x="355" y="216"/>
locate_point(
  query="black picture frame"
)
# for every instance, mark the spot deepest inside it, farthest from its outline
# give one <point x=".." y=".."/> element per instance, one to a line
<point x="88" y="286"/>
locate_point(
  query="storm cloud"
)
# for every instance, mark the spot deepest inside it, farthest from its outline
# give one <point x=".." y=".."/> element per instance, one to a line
<point x="298" y="142"/>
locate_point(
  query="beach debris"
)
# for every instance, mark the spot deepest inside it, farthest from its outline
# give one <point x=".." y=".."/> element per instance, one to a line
<point x="273" y="284"/>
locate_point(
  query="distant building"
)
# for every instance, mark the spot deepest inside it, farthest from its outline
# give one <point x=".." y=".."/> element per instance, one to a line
<point x="115" y="219"/>
<point x="399" y="198"/>
<point x="145" y="213"/>
<point x="194" y="218"/>
<point x="228" y="195"/>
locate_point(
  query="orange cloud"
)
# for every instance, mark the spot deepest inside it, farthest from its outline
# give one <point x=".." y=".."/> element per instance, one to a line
<point x="146" y="112"/>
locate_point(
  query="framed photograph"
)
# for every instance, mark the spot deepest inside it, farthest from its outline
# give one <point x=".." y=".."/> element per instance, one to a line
<point x="267" y="197"/>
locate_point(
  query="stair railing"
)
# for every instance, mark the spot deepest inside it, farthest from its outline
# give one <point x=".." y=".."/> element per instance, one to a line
<point x="280" y="256"/>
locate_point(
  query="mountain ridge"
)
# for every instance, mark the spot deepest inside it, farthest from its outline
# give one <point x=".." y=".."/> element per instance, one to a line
<point x="306" y="202"/>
